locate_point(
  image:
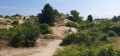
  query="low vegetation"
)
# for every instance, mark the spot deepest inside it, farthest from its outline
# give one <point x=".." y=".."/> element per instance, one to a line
<point x="71" y="24"/>
<point x="109" y="50"/>
<point x="92" y="39"/>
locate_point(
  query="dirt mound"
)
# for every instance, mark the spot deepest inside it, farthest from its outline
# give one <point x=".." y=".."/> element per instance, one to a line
<point x="62" y="31"/>
<point x="64" y="21"/>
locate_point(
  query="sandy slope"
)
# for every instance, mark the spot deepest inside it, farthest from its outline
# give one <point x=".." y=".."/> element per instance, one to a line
<point x="50" y="49"/>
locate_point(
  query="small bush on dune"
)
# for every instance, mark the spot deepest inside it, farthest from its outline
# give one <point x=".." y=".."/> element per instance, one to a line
<point x="71" y="24"/>
<point x="45" y="28"/>
<point x="15" y="22"/>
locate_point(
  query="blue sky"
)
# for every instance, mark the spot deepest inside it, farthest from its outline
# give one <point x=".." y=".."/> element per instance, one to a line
<point x="98" y="8"/>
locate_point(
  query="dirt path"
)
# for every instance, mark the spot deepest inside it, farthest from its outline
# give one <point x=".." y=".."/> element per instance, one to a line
<point x="49" y="50"/>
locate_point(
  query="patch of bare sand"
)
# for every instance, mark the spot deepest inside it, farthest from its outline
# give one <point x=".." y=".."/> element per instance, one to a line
<point x="49" y="50"/>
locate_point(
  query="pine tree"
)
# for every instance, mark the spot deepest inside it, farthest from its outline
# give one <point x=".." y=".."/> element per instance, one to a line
<point x="115" y="19"/>
<point x="90" y="18"/>
<point x="47" y="16"/>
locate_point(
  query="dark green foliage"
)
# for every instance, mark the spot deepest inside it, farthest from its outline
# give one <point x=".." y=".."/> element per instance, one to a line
<point x="111" y="33"/>
<point x="47" y="16"/>
<point x="71" y="24"/>
<point x="15" y="23"/>
<point x="113" y="27"/>
<point x="46" y="37"/>
<point x="56" y="12"/>
<point x="26" y="37"/>
<point x="6" y="34"/>
<point x="104" y="38"/>
<point x="1" y="36"/>
<point x="76" y="38"/>
<point x="7" y="16"/>
<point x="115" y="19"/>
<point x="109" y="50"/>
<point x="45" y="28"/>
<point x="69" y="39"/>
<point x="90" y="18"/>
<point x="17" y="15"/>
<point x="118" y="18"/>
<point x="75" y="16"/>
<point x="1" y="15"/>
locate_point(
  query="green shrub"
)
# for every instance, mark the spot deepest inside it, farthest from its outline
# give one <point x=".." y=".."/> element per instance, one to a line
<point x="89" y="51"/>
<point x="1" y="36"/>
<point x="111" y="33"/>
<point x="71" y="24"/>
<point x="46" y="37"/>
<point x="45" y="28"/>
<point x="15" y="22"/>
<point x="26" y="37"/>
<point x="76" y="38"/>
<point x="5" y="34"/>
<point x="69" y="39"/>
<point x="104" y="38"/>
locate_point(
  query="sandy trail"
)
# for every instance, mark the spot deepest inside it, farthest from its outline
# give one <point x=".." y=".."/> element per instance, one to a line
<point x="44" y="48"/>
<point x="49" y="50"/>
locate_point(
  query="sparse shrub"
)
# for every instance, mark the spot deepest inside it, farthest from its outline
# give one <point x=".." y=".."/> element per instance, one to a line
<point x="70" y="30"/>
<point x="45" y="28"/>
<point x="8" y="21"/>
<point x="71" y="24"/>
<point x="46" y="37"/>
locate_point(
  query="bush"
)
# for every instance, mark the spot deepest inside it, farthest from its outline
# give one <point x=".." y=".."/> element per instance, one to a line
<point x="104" y="38"/>
<point x="71" y="24"/>
<point x="76" y="39"/>
<point x="15" y="22"/>
<point x="26" y="37"/>
<point x="111" y="33"/>
<point x="69" y="39"/>
<point x="1" y="36"/>
<point x="45" y="28"/>
<point x="5" y="34"/>
<point x="89" y="51"/>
